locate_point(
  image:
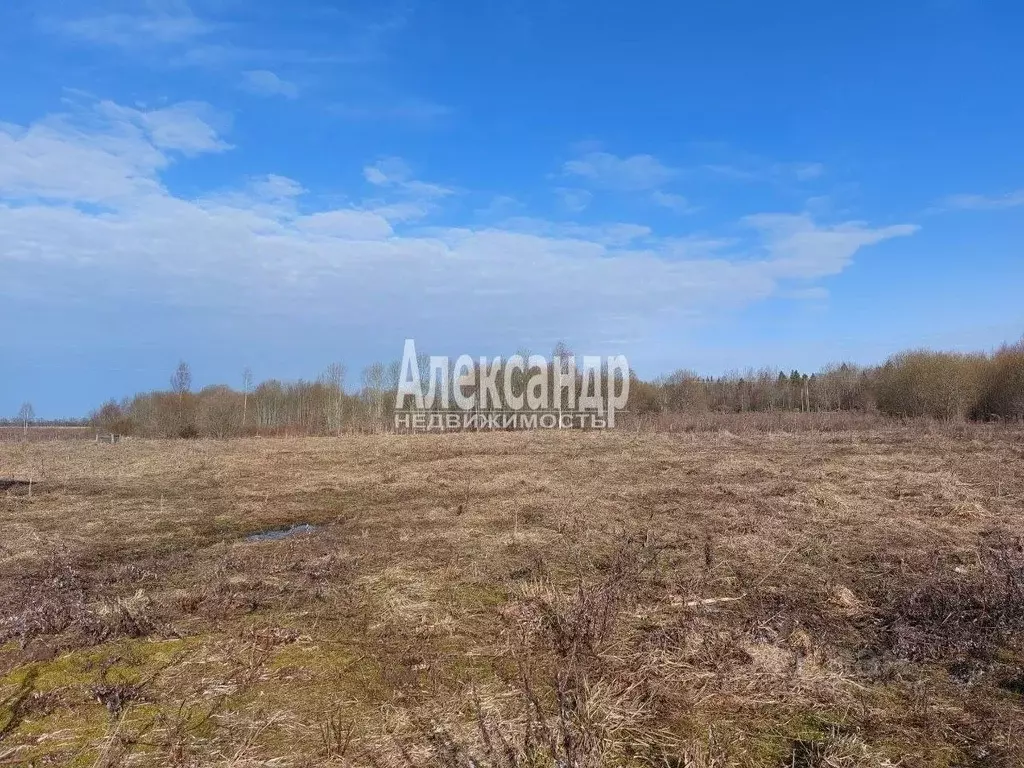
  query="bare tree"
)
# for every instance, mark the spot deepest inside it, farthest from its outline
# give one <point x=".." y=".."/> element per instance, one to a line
<point x="181" y="385"/>
<point x="181" y="381"/>
<point x="26" y="414"/>
<point x="374" y="377"/>
<point x="334" y="377"/>
<point x="561" y="356"/>
<point x="246" y="386"/>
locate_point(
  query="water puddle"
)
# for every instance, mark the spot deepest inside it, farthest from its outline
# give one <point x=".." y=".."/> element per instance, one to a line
<point x="282" y="533"/>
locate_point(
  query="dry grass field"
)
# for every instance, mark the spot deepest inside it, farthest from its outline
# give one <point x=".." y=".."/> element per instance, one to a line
<point x="33" y="433"/>
<point x="850" y="598"/>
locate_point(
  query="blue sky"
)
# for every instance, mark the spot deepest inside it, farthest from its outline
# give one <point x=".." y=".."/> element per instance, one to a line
<point x="709" y="185"/>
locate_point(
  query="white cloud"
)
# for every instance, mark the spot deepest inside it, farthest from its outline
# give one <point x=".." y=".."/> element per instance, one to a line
<point x="403" y="211"/>
<point x="48" y="159"/>
<point x="799" y="248"/>
<point x="108" y="153"/>
<point x="1013" y="199"/>
<point x="277" y="187"/>
<point x="263" y="82"/>
<point x="167" y="34"/>
<point x="698" y="246"/>
<point x="255" y="252"/>
<point x="185" y="127"/>
<point x="617" y="234"/>
<point x="159" y="23"/>
<point x="574" y="200"/>
<point x="729" y="171"/>
<point x="639" y="172"/>
<point x="815" y="293"/>
<point x="393" y="172"/>
<point x="675" y="203"/>
<point x="807" y="171"/>
<point x="389" y="170"/>
<point x="752" y="168"/>
<point x="347" y="224"/>
<point x="375" y="175"/>
<point x="500" y="206"/>
<point x="426" y="189"/>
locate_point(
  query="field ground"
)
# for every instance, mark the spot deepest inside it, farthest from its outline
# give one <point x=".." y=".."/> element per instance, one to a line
<point x="33" y="433"/>
<point x="574" y="599"/>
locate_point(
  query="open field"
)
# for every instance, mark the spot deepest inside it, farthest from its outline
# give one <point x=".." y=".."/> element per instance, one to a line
<point x="851" y="598"/>
<point x="34" y="432"/>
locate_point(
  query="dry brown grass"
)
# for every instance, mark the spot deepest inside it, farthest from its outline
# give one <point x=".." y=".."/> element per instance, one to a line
<point x="16" y="433"/>
<point x="840" y="598"/>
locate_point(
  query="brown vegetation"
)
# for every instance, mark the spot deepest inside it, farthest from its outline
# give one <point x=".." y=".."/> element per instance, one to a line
<point x="767" y="598"/>
<point x="40" y="432"/>
<point x="918" y="384"/>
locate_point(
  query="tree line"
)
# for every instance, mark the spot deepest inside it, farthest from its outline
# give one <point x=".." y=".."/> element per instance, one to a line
<point x="950" y="386"/>
<point x="918" y="383"/>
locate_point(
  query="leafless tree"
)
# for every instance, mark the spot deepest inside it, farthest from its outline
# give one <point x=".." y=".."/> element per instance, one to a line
<point x="26" y="414"/>
<point x="334" y="377"/>
<point x="181" y="381"/>
<point x="246" y="386"/>
<point x="373" y="388"/>
<point x="561" y="356"/>
<point x="181" y="385"/>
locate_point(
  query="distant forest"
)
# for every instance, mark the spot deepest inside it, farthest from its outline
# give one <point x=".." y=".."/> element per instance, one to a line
<point x="948" y="386"/>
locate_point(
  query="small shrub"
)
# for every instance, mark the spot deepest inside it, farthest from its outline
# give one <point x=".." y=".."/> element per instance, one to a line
<point x="1003" y="395"/>
<point x="942" y="385"/>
